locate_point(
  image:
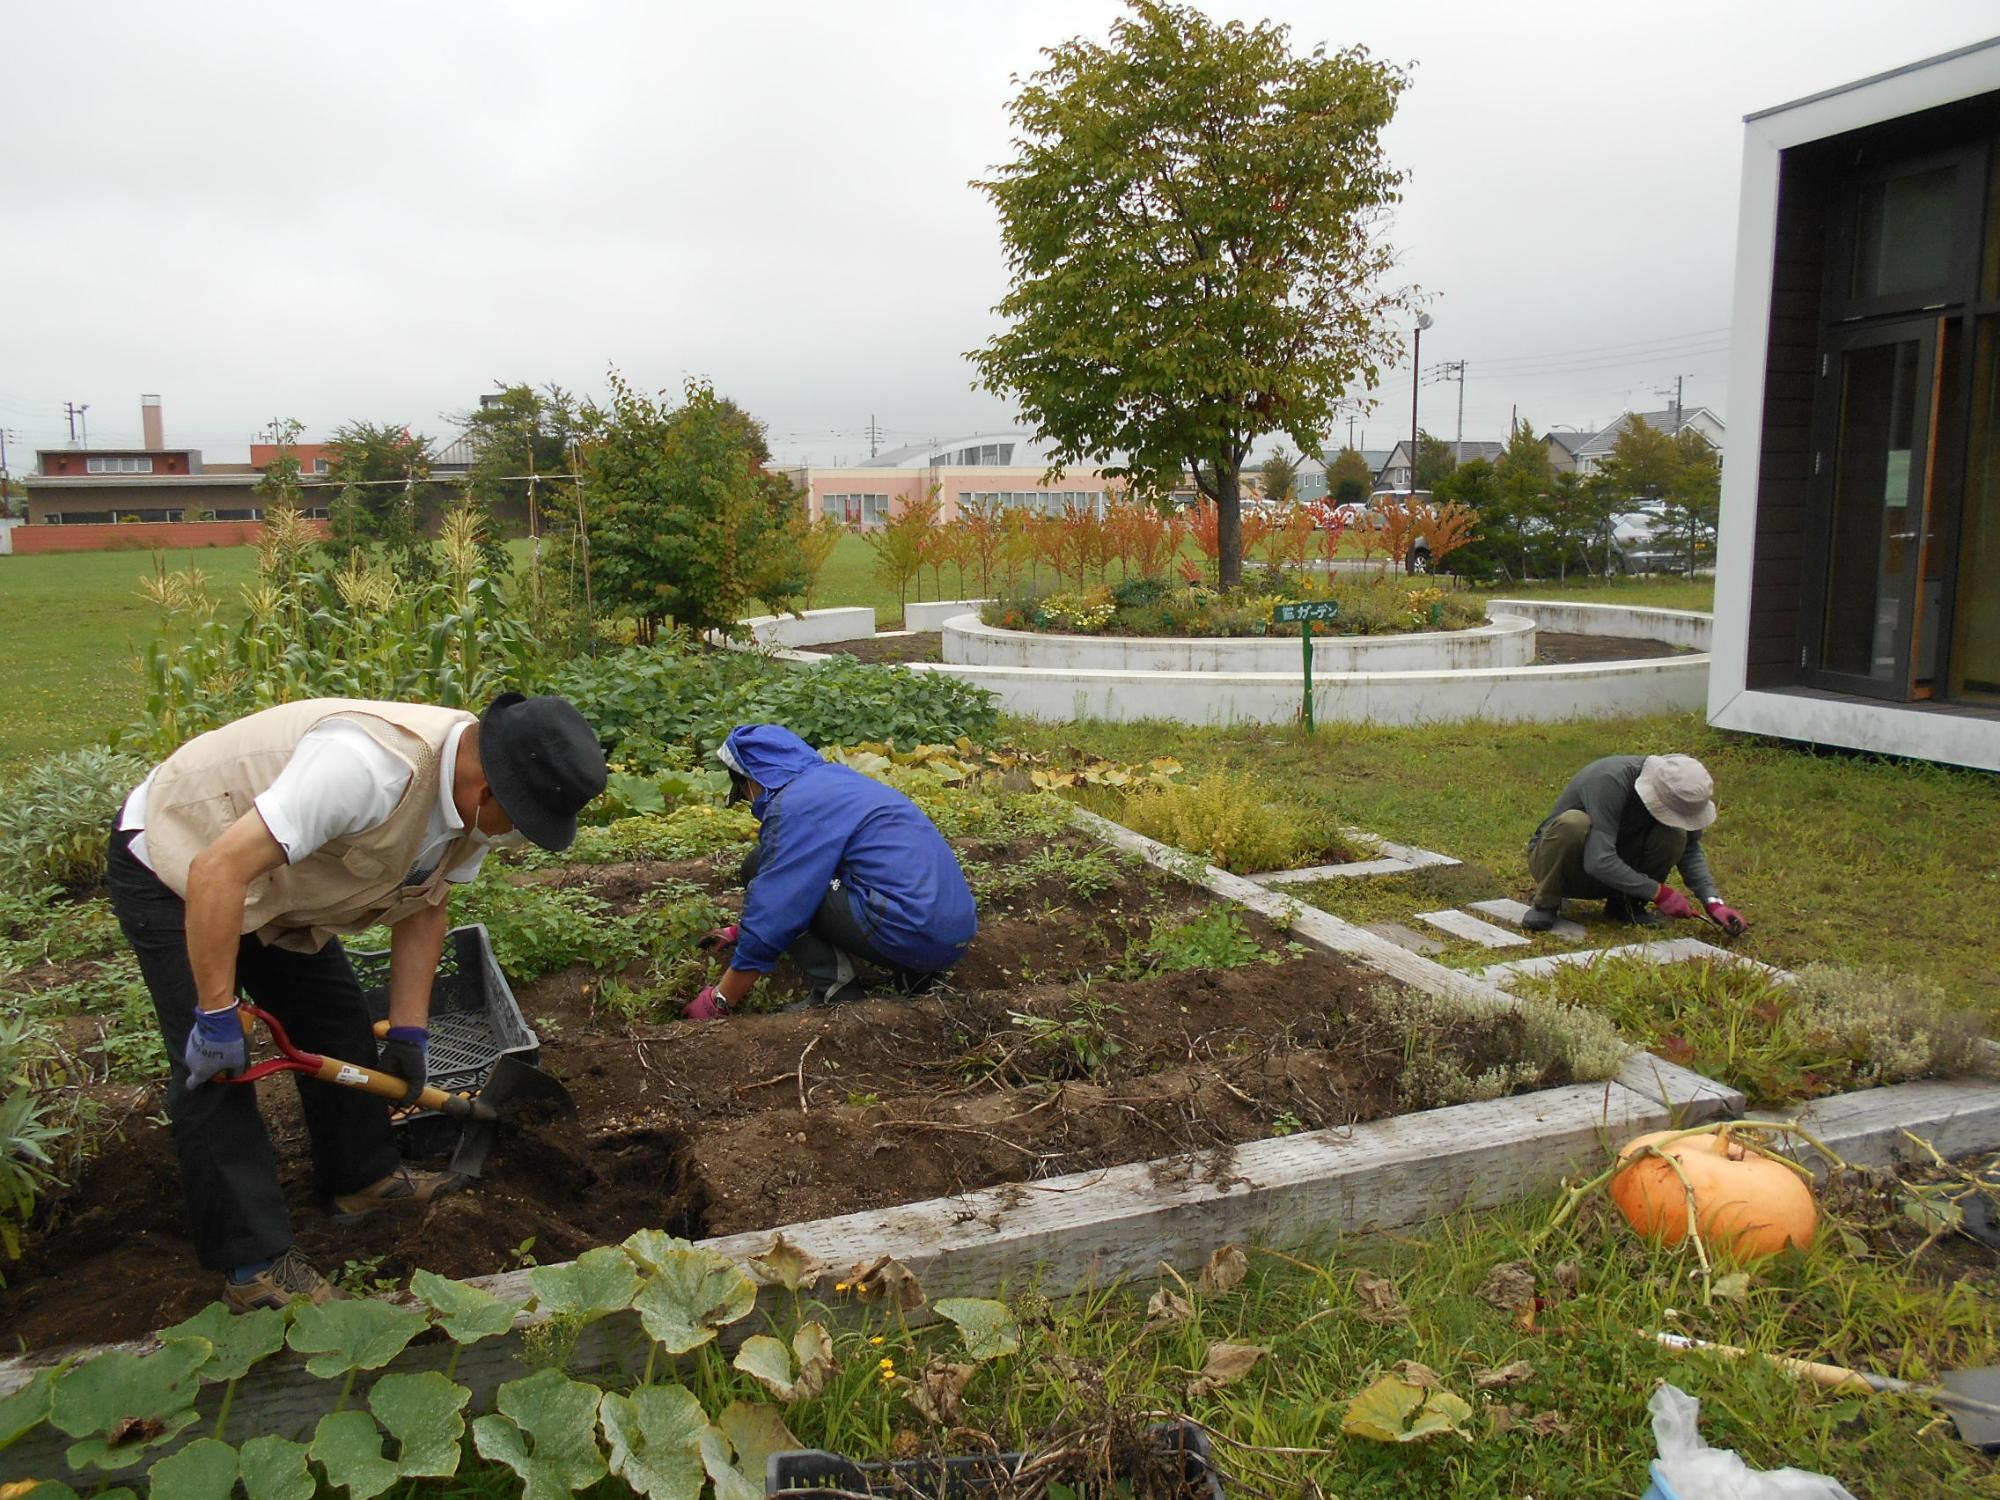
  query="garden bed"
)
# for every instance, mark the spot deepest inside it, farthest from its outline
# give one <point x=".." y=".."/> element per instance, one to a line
<point x="1107" y="1014"/>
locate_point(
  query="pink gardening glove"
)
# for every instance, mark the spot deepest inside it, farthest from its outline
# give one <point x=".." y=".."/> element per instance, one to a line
<point x="1671" y="903"/>
<point x="1730" y="918"/>
<point x="707" y="1006"/>
<point x="720" y="937"/>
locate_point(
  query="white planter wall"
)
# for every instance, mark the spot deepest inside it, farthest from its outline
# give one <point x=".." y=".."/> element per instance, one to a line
<point x="932" y="616"/>
<point x="816" y="628"/>
<point x="1507" y="641"/>
<point x="1677" y="627"/>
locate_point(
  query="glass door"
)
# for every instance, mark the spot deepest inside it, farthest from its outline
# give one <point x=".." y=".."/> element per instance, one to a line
<point x="1975" y="647"/>
<point x="1876" y="461"/>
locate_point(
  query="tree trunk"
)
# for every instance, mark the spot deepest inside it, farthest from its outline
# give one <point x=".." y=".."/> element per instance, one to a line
<point x="1229" y="525"/>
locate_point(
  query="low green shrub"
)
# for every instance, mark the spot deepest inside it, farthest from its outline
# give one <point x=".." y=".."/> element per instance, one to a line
<point x="650" y="701"/>
<point x="1460" y="1051"/>
<point x="1216" y="939"/>
<point x="55" y="818"/>
<point x="1223" y="818"/>
<point x="692" y="832"/>
<point x="1370" y="604"/>
<point x="39" y="926"/>
<point x="1831" y="1030"/>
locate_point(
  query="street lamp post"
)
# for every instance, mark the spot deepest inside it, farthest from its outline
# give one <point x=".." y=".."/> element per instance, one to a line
<point x="1416" y="379"/>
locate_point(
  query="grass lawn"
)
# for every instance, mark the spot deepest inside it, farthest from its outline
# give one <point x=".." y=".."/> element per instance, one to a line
<point x="1832" y="857"/>
<point x="1657" y="590"/>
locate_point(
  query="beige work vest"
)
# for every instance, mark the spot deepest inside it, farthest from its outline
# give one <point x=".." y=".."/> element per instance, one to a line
<point x="348" y="883"/>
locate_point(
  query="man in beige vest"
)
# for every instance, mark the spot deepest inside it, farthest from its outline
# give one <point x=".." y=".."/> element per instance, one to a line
<point x="237" y="863"/>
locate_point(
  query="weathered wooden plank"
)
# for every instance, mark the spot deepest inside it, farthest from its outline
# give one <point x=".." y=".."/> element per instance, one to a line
<point x="1513" y="913"/>
<point x="1405" y="937"/>
<point x="1687" y="1096"/>
<point x="1065" y="1233"/>
<point x="1307" y="923"/>
<point x="1359" y="869"/>
<point x="1422" y="858"/>
<point x="1464" y="925"/>
<point x="1866" y="1126"/>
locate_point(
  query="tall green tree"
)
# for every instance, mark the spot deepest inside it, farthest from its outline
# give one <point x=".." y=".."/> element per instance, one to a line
<point x="681" y="527"/>
<point x="380" y="469"/>
<point x="1280" y="473"/>
<point x="1435" y="459"/>
<point x="1192" y="228"/>
<point x="1694" y="496"/>
<point x="1643" y="461"/>
<point x="517" y="433"/>
<point x="1349" y="479"/>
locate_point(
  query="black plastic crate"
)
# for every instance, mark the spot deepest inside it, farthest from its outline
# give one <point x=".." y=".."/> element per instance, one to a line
<point x="475" y="1021"/>
<point x="806" y="1470"/>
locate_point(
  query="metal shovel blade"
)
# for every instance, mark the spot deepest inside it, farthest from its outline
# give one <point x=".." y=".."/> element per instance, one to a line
<point x="513" y="1088"/>
<point x="1972" y="1397"/>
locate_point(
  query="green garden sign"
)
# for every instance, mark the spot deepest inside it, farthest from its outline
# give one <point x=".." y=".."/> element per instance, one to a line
<point x="1302" y="613"/>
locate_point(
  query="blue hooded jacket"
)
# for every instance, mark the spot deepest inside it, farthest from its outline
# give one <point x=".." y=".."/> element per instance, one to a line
<point x="821" y="822"/>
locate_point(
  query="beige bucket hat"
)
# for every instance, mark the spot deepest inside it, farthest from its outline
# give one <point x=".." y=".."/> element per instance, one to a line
<point x="1678" y="790"/>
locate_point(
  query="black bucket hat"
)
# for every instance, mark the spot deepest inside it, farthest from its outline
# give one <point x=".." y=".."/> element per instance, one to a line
<point x="544" y="763"/>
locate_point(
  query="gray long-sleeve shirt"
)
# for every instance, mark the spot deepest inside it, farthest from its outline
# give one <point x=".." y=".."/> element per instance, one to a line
<point x="1608" y="791"/>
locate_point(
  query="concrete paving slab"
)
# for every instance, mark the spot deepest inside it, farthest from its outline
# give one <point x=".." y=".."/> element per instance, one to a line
<point x="1464" y="925"/>
<point x="1355" y="870"/>
<point x="1511" y="912"/>
<point x="1405" y="937"/>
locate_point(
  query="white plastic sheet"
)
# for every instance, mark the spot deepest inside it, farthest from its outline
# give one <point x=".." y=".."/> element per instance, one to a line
<point x="1699" y="1472"/>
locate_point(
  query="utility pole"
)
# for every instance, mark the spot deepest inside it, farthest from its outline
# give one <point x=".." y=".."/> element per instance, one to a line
<point x="75" y="414"/>
<point x="6" y="491"/>
<point x="1454" y="369"/>
<point x="874" y="434"/>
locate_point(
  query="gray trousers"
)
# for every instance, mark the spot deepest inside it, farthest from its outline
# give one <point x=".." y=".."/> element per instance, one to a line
<point x="1555" y="859"/>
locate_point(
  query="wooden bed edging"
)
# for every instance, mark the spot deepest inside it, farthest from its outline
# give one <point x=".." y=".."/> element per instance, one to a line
<point x="1062" y="1234"/>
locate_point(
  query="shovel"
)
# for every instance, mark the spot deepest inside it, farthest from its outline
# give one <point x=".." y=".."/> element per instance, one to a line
<point x="1971" y="1397"/>
<point x="511" y="1085"/>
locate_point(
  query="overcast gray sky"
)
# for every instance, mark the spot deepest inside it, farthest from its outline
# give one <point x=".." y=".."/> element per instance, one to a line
<point x="367" y="210"/>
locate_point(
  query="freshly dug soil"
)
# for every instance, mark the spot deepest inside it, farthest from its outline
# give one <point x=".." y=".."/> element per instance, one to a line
<point x="768" y="1119"/>
<point x="1561" y="648"/>
<point x="923" y="645"/>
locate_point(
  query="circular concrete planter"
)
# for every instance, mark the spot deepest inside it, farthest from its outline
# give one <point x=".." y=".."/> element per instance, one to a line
<point x="1504" y="641"/>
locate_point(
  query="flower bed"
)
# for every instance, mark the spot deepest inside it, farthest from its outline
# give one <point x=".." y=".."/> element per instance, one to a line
<point x="1107" y="1014"/>
<point x="1380" y="604"/>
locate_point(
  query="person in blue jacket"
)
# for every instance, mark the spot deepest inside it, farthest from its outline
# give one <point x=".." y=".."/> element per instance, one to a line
<point x="847" y="873"/>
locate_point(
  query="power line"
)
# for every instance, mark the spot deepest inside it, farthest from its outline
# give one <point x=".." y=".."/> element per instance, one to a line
<point x="1630" y="346"/>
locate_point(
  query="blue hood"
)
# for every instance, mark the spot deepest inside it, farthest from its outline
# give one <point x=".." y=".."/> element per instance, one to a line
<point x="769" y="754"/>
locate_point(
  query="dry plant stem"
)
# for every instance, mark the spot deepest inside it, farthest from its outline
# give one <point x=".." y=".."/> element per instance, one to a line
<point x="1694" y="1224"/>
<point x="802" y="1073"/>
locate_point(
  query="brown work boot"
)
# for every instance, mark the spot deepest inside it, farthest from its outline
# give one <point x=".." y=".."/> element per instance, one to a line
<point x="402" y="1188"/>
<point x="289" y="1278"/>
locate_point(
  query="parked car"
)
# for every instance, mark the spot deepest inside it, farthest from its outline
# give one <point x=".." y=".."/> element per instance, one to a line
<point x="1641" y="542"/>
<point x="1370" y="514"/>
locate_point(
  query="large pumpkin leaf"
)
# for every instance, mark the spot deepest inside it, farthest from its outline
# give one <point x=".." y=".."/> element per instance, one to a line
<point x="467" y="1313"/>
<point x="693" y="1293"/>
<point x="988" y="1328"/>
<point x="27" y="1408"/>
<point x="349" y="1447"/>
<point x="239" y="1339"/>
<point x="546" y="1432"/>
<point x="204" y="1470"/>
<point x="770" y="1362"/>
<point x="654" y="1436"/>
<point x="121" y="1404"/>
<point x="597" y="1282"/>
<point x="735" y="1449"/>
<point x="422" y="1412"/>
<point x="1393" y="1410"/>
<point x="359" y="1333"/>
<point x="649" y="1247"/>
<point x="274" y="1468"/>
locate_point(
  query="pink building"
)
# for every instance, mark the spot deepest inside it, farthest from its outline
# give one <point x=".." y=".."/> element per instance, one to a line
<point x="1003" y="469"/>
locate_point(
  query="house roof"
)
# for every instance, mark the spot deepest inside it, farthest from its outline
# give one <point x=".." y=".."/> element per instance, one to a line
<point x="1571" y="442"/>
<point x="1661" y="421"/>
<point x="1029" y="451"/>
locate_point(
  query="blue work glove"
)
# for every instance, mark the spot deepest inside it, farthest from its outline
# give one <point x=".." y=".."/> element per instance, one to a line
<point x="216" y="1045"/>
<point x="404" y="1052"/>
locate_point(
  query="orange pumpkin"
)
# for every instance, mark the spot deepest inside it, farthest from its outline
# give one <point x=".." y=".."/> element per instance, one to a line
<point x="1745" y="1204"/>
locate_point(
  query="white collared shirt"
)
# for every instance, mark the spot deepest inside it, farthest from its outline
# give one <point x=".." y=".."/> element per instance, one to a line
<point x="340" y="782"/>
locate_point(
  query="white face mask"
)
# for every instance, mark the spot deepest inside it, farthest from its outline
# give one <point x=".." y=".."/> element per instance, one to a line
<point x="513" y="838"/>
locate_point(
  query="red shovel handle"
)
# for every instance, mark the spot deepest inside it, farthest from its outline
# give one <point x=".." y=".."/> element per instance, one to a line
<point x="348" y="1075"/>
<point x="290" y="1059"/>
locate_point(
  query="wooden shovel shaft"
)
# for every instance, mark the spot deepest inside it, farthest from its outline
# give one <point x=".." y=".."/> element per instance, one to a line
<point x="1837" y="1377"/>
<point x="391" y="1087"/>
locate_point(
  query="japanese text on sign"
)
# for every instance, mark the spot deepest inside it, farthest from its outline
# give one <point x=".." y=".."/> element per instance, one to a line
<point x="1306" y="609"/>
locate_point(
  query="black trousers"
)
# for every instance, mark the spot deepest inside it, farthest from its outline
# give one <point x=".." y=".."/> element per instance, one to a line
<point x="836" y="934"/>
<point x="229" y="1171"/>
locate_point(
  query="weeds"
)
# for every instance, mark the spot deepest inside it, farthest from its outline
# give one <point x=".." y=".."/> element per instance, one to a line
<point x="1051" y="1049"/>
<point x="1224" y="818"/>
<point x="1458" y="1051"/>
<point x="1833" y="1029"/>
<point x="1216" y="939"/>
<point x="55" y="818"/>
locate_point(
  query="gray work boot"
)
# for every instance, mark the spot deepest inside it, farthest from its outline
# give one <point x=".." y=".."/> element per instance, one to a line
<point x="402" y="1188"/>
<point x="1540" y="918"/>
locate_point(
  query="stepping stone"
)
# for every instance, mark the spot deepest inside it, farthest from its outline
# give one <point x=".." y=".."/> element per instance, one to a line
<point x="1405" y="937"/>
<point x="1511" y="912"/>
<point x="1464" y="925"/>
<point x="1356" y="870"/>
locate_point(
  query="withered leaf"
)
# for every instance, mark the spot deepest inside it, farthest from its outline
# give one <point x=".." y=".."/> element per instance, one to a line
<point x="788" y="1265"/>
<point x="1733" y="1288"/>
<point x="1379" y="1300"/>
<point x="1569" y="1277"/>
<point x="1225" y="1268"/>
<point x="1513" y="1374"/>
<point x="1226" y="1364"/>
<point x="887" y="1280"/>
<point x="1548" y="1424"/>
<point x="937" y="1392"/>
<point x="1167" y="1309"/>
<point x="1420" y="1375"/>
<point x="1510" y="1285"/>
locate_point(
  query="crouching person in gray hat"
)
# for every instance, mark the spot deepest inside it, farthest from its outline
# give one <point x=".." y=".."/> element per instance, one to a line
<point x="237" y="863"/>
<point x="1621" y="826"/>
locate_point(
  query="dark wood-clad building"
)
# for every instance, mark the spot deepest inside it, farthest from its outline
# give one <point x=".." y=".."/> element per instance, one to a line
<point x="1858" y="572"/>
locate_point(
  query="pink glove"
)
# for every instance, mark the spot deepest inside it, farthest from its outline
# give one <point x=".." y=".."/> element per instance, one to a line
<point x="707" y="1006"/>
<point x="720" y="937"/>
<point x="1730" y="918"/>
<point x="1671" y="903"/>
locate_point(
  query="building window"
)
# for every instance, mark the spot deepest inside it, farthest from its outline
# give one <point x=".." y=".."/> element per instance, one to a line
<point x="321" y="466"/>
<point x="118" y="464"/>
<point x="1041" y="502"/>
<point x="856" y="510"/>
